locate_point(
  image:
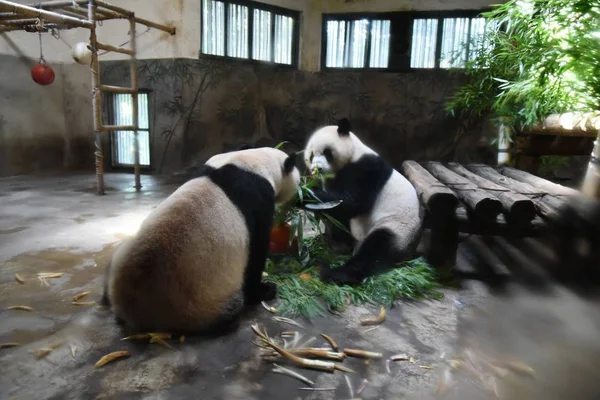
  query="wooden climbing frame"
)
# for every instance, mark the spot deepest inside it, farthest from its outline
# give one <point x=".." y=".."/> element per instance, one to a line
<point x="69" y="14"/>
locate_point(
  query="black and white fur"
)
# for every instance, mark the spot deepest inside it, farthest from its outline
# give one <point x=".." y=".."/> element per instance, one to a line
<point x="198" y="258"/>
<point x="379" y="205"/>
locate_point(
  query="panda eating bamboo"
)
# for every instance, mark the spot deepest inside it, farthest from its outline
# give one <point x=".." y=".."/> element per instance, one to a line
<point x="379" y="205"/>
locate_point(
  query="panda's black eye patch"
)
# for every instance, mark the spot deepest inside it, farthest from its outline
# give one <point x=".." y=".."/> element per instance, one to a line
<point x="312" y="155"/>
<point x="328" y="154"/>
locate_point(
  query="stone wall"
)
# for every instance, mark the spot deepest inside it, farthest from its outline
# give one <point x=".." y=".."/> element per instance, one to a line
<point x="202" y="107"/>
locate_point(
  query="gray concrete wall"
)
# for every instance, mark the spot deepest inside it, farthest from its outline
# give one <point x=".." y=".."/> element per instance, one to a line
<point x="44" y="127"/>
<point x="203" y="107"/>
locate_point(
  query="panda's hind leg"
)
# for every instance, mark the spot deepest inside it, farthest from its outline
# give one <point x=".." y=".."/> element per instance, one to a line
<point x="375" y="255"/>
<point x="229" y="317"/>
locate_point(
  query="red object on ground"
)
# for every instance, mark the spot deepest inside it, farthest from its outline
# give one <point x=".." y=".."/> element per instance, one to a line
<point x="42" y="74"/>
<point x="280" y="239"/>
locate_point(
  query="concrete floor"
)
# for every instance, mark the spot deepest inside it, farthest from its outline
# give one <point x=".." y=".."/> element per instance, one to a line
<point x="58" y="224"/>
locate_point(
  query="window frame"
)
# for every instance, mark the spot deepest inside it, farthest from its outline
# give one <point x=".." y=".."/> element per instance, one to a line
<point x="253" y="5"/>
<point x="394" y="16"/>
<point x="111" y="118"/>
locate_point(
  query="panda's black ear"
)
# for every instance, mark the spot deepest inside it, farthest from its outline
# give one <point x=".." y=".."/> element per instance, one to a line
<point x="245" y="147"/>
<point x="289" y="164"/>
<point x="344" y="127"/>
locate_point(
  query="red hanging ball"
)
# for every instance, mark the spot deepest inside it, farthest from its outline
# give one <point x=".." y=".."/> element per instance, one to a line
<point x="42" y="74"/>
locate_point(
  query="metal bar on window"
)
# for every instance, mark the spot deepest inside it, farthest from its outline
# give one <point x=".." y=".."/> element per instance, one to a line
<point x="438" y="47"/>
<point x="272" y="44"/>
<point x="468" y="45"/>
<point x="251" y="32"/>
<point x="226" y="26"/>
<point x="367" y="44"/>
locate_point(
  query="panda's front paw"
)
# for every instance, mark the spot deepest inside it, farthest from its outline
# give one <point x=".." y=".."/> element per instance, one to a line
<point x="339" y="276"/>
<point x="268" y="291"/>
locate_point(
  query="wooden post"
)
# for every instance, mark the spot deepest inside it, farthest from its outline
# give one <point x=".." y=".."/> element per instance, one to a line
<point x="441" y="203"/>
<point x="591" y="182"/>
<point x="134" y="97"/>
<point x="96" y="100"/>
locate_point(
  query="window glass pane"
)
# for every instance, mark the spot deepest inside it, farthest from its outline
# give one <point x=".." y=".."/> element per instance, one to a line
<point x="336" y="33"/>
<point x="237" y="31"/>
<point x="346" y="44"/>
<point x="284" y="33"/>
<point x="213" y="28"/>
<point x="261" y="46"/>
<point x="357" y="41"/>
<point x="423" y="43"/>
<point x="380" y="44"/>
<point x="455" y="36"/>
<point x="143" y="118"/>
<point x="123" y="141"/>
<point x="478" y="42"/>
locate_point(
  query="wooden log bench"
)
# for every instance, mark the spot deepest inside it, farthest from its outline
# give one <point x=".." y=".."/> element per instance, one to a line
<point x="503" y="208"/>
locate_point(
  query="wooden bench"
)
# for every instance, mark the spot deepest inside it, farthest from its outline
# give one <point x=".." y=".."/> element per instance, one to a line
<point x="498" y="205"/>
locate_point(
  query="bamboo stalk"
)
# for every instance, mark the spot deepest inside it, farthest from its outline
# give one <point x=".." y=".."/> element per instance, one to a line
<point x="81" y="12"/>
<point x="108" y="47"/>
<point x="169" y="29"/>
<point x="96" y="100"/>
<point x="134" y="98"/>
<point x="43" y="14"/>
<point x="129" y="14"/>
<point x="114" y="8"/>
<point x="117" y="128"/>
<point x="9" y="16"/>
<point x="20" y="22"/>
<point x="60" y="3"/>
<point x="117" y="89"/>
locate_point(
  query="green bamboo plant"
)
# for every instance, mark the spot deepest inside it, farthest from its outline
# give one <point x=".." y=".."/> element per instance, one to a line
<point x="537" y="58"/>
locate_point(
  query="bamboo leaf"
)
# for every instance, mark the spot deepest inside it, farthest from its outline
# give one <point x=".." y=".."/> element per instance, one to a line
<point x="279" y="145"/>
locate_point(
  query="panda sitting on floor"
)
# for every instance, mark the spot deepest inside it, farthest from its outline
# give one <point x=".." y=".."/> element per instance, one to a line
<point x="198" y="258"/>
<point x="379" y="206"/>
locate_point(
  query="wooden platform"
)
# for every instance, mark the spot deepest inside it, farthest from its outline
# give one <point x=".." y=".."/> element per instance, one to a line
<point x="501" y="204"/>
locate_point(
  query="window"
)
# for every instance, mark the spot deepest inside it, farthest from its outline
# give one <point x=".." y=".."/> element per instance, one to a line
<point x="362" y="43"/>
<point x="248" y="30"/>
<point x="459" y="41"/>
<point x="121" y="113"/>
<point x="401" y="41"/>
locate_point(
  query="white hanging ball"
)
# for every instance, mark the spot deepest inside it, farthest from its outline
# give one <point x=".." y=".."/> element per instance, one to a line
<point x="81" y="53"/>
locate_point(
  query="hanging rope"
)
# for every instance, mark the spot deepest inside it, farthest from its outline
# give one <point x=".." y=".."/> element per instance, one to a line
<point x="42" y="60"/>
<point x="56" y="35"/>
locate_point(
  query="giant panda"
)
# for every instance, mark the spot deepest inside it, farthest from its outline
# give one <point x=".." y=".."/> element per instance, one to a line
<point x="379" y="206"/>
<point x="198" y="258"/>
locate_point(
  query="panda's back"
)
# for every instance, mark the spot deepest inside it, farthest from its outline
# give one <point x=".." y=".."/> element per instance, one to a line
<point x="396" y="208"/>
<point x="186" y="262"/>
